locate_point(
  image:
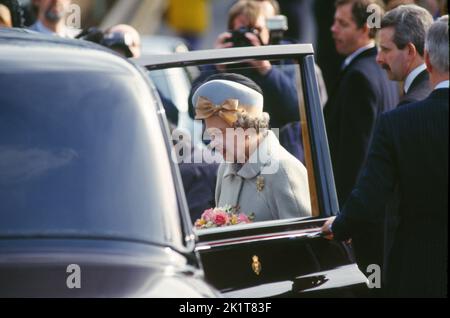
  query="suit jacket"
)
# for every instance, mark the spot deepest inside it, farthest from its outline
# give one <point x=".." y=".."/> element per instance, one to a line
<point x="291" y="138"/>
<point x="362" y="94"/>
<point x="272" y="184"/>
<point x="420" y="88"/>
<point x="409" y="148"/>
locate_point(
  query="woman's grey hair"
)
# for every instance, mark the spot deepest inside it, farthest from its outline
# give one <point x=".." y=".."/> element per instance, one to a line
<point x="410" y="23"/>
<point x="245" y="121"/>
<point x="436" y="45"/>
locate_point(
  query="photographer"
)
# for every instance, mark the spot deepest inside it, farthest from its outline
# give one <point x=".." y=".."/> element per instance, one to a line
<point x="248" y="26"/>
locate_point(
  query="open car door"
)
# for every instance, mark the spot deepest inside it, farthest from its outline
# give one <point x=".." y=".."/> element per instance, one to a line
<point x="279" y="258"/>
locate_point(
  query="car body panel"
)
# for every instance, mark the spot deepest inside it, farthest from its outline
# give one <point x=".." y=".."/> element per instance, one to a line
<point x="116" y="208"/>
<point x="284" y="258"/>
<point x="41" y="268"/>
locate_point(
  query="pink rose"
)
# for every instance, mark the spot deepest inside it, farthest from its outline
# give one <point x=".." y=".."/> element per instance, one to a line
<point x="208" y="215"/>
<point x="242" y="218"/>
<point x="221" y="218"/>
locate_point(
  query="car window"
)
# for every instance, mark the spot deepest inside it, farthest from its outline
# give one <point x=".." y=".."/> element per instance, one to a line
<point x="284" y="101"/>
<point x="82" y="155"/>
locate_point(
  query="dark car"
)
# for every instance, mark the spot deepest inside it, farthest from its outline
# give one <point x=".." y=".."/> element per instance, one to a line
<point x="278" y="258"/>
<point x="90" y="203"/>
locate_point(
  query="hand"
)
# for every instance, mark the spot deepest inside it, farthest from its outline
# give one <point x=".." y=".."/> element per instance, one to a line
<point x="221" y="41"/>
<point x="222" y="44"/>
<point x="263" y="67"/>
<point x="326" y="229"/>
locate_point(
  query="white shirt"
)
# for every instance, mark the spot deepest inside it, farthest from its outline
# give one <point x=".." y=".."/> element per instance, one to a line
<point x="352" y="56"/>
<point x="412" y="76"/>
<point x="443" y="84"/>
<point x="66" y="33"/>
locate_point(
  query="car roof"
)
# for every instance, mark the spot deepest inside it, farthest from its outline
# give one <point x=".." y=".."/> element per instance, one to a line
<point x="21" y="49"/>
<point x="160" y="44"/>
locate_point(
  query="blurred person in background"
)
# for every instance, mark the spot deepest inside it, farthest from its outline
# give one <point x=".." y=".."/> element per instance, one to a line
<point x="12" y="13"/>
<point x="272" y="8"/>
<point x="302" y="25"/>
<point x="301" y="30"/>
<point x="433" y="6"/>
<point x="248" y="20"/>
<point x="362" y="94"/>
<point x="5" y="17"/>
<point x="326" y="56"/>
<point x="392" y="4"/>
<point x="124" y="39"/>
<point x="51" y="18"/>
<point x="247" y="27"/>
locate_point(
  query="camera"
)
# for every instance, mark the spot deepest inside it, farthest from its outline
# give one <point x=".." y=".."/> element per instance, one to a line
<point x="239" y="39"/>
<point x="277" y="26"/>
<point x="114" y="41"/>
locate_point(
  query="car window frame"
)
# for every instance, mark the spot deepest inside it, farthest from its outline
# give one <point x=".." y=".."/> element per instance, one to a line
<point x="187" y="247"/>
<point x="309" y="106"/>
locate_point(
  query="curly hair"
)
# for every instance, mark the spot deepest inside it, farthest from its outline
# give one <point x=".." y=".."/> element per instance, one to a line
<point x="245" y="121"/>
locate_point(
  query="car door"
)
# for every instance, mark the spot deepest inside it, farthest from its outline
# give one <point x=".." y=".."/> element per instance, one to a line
<point x="279" y="258"/>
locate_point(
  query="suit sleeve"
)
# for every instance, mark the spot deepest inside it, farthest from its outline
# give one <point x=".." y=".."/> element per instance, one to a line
<point x="367" y="201"/>
<point x="283" y="101"/>
<point x="357" y="119"/>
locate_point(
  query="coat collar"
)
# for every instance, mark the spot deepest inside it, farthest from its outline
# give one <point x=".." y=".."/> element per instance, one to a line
<point x="262" y="157"/>
<point x="370" y="52"/>
<point x="358" y="52"/>
<point x="413" y="76"/>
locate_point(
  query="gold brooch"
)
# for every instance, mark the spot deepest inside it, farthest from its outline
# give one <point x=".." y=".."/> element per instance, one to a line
<point x="260" y="183"/>
<point x="256" y="265"/>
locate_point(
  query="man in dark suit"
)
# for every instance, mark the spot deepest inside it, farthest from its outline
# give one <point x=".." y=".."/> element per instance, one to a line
<point x="410" y="147"/>
<point x="362" y="94"/>
<point x="401" y="53"/>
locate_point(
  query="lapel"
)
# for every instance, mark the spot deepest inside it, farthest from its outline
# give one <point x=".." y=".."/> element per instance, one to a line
<point x="372" y="52"/>
<point x="414" y="92"/>
<point x="422" y="77"/>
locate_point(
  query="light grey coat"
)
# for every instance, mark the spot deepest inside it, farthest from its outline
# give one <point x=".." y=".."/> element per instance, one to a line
<point x="285" y="193"/>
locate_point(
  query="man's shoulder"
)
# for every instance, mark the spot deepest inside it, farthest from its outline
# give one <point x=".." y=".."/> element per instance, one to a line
<point x="419" y="90"/>
<point x="366" y="67"/>
<point x="432" y="105"/>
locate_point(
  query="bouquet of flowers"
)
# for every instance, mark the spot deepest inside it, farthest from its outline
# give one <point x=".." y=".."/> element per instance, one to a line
<point x="221" y="217"/>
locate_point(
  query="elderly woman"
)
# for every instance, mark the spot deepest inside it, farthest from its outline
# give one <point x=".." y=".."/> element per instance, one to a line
<point x="259" y="176"/>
